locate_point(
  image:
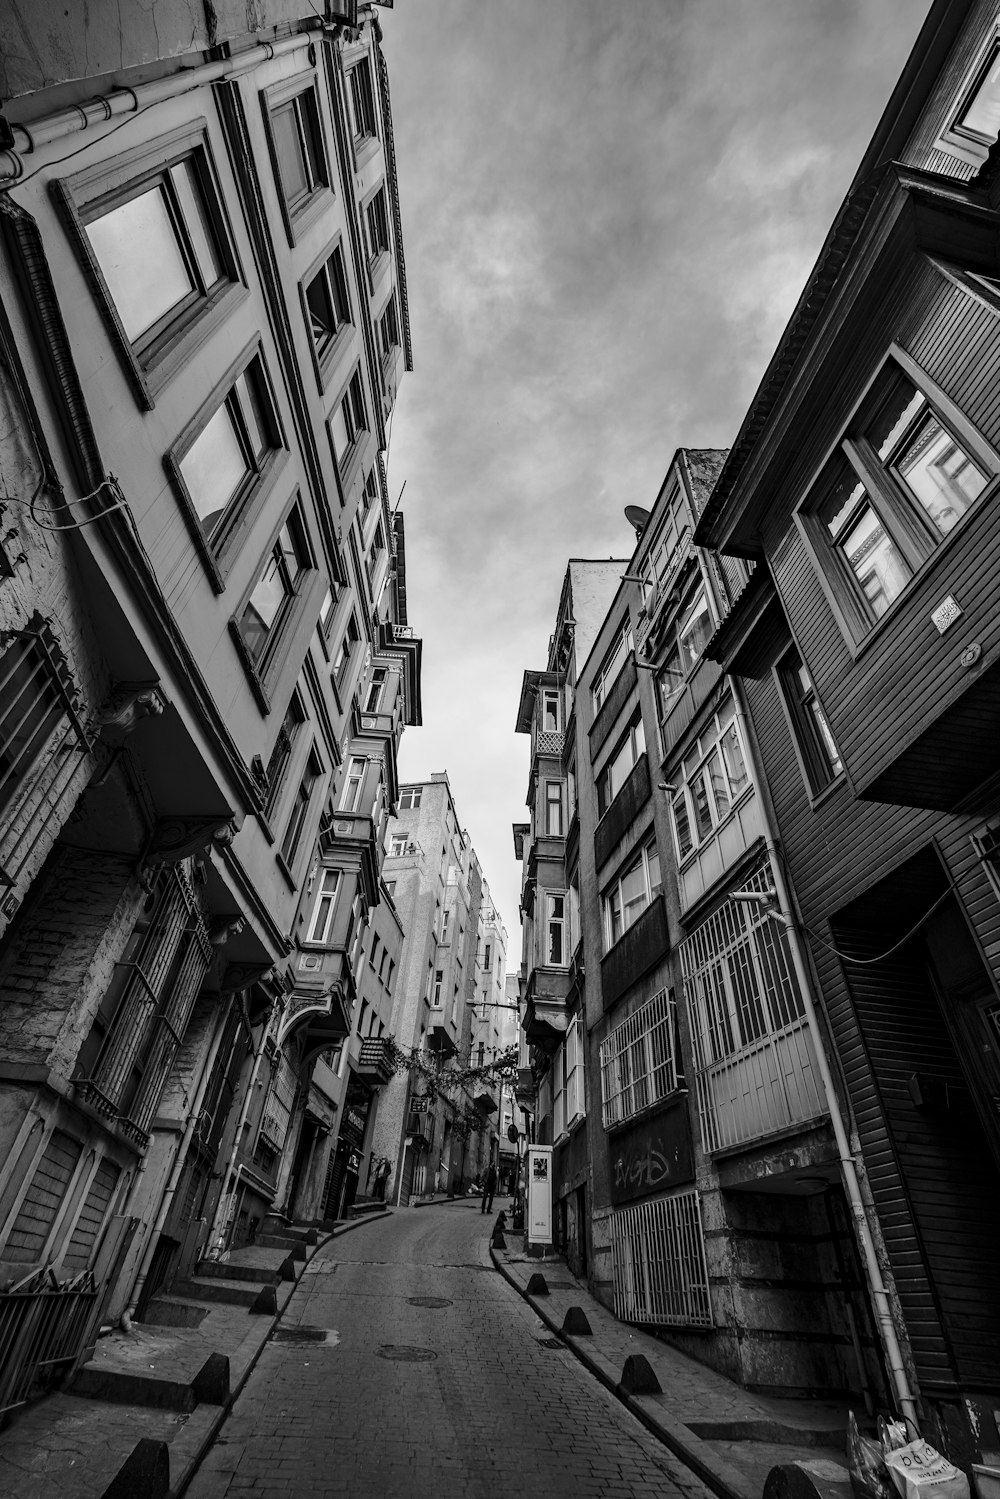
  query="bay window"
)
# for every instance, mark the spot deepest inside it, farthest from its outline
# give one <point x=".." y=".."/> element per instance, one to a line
<point x="354" y="780"/>
<point x="324" y="906"/>
<point x="618" y="769"/>
<point x="553" y="809"/>
<point x="555" y="929"/>
<point x="688" y="634"/>
<point x="711" y="780"/>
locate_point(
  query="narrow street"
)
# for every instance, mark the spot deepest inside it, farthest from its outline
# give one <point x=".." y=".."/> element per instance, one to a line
<point x="433" y="1379"/>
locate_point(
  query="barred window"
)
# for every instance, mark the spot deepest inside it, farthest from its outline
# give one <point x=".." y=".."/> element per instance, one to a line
<point x="639" y="1060"/>
<point x="30" y="708"/>
<point x="278" y="1105"/>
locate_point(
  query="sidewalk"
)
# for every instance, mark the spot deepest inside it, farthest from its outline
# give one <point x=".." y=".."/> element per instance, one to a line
<point x="167" y="1384"/>
<point x="732" y="1439"/>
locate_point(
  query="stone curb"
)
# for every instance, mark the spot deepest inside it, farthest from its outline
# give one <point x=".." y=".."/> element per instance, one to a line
<point x="178" y="1487"/>
<point x="723" y="1479"/>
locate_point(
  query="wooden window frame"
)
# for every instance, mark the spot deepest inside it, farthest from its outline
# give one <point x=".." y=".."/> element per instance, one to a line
<point x="629" y="739"/>
<point x="710" y="742"/>
<point x="353" y="394"/>
<point x="264" y="670"/>
<point x="336" y="281"/>
<point x="291" y="846"/>
<point x="817" y="769"/>
<point x="154" y="358"/>
<point x="960" y="140"/>
<point x="375" y="253"/>
<point x="641" y="856"/>
<point x="368" y="109"/>
<point x="218" y="553"/>
<point x="623" y="639"/>
<point x="298" y="217"/>
<point x="898" y="511"/>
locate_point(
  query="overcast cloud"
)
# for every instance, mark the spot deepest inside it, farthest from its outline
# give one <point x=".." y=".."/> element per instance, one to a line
<point x="609" y="211"/>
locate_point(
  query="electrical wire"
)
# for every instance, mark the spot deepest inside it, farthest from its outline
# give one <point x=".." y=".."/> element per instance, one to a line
<point x="74" y="525"/>
<point x="867" y="962"/>
<point x="56" y="161"/>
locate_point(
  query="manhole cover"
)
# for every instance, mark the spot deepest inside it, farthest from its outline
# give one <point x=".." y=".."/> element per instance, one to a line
<point x="403" y="1354"/>
<point x="299" y="1335"/>
<point x="434" y="1301"/>
<point x="549" y="1343"/>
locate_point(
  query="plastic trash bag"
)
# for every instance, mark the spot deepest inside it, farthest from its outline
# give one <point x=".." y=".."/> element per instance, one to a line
<point x="869" y="1475"/>
<point x="920" y="1472"/>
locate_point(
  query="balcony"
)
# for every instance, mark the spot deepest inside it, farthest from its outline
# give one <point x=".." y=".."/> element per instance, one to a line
<point x="546" y="742"/>
<point x="635" y="952"/>
<point x="614" y="703"/>
<point x="483" y="1099"/>
<point x="768" y="1086"/>
<point x="440" y="1037"/>
<point x="545" y="1020"/>
<point x="623" y="811"/>
<point x="374" y="1062"/>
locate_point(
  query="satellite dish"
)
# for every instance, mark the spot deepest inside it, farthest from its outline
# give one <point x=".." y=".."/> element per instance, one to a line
<point x="637" y="517"/>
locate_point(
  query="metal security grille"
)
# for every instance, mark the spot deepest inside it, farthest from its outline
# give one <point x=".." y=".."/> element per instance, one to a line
<point x="639" y="1060"/>
<point x="42" y="740"/>
<point x="43" y="1329"/>
<point x="658" y="1263"/>
<point x="278" y="1108"/>
<point x="756" y="1065"/>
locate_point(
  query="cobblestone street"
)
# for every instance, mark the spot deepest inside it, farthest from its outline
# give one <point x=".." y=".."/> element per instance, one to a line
<point x="433" y="1380"/>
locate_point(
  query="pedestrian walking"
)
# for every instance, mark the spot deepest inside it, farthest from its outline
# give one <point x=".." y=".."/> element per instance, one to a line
<point x="489" y="1187"/>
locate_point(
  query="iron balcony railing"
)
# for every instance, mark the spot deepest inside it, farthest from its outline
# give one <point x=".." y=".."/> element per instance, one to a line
<point x="658" y="1263"/>
<point x="756" y="1069"/>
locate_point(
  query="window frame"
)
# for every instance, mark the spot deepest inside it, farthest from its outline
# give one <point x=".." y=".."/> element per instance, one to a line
<point x="556" y="921"/>
<point x="898" y="510"/>
<point x="639" y="858"/>
<point x="112" y="183"/>
<point x="265" y="666"/>
<point x="633" y="739"/>
<point x="299" y="215"/>
<point x="350" y="399"/>
<point x="710" y="743"/>
<point x="357" y="781"/>
<point x="685" y="613"/>
<point x="291" y="846"/>
<point x="219" y="550"/>
<point x="368" y="110"/>
<point x="554" y="803"/>
<point x="377" y="219"/>
<point x="958" y="139"/>
<point x="388" y="347"/>
<point x="819" y="772"/>
<point x="608" y="673"/>
<point x="335" y="282"/>
<point x="345" y="654"/>
<point x="321" y="895"/>
<point x="414" y="793"/>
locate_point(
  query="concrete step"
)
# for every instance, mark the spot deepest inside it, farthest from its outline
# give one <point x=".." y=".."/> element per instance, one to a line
<point x="174" y="1311"/>
<point x="215" y="1288"/>
<point x="301" y="1233"/>
<point x="121" y="1388"/>
<point x="359" y="1208"/>
<point x="260" y="1275"/>
<point x="296" y="1247"/>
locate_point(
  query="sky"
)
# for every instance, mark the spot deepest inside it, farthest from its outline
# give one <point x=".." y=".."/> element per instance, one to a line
<point x="609" y="211"/>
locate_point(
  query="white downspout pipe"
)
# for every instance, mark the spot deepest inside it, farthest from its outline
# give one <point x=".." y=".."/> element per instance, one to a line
<point x="31" y="139"/>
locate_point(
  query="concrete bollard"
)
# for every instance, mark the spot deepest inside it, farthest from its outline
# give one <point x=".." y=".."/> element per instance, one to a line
<point x="575" y="1322"/>
<point x="638" y="1377"/>
<point x="537" y="1285"/>
<point x="287" y="1269"/>
<point x="498" y="1241"/>
<point x="267" y="1301"/>
<point x="145" y="1471"/>
<point x="211" y="1383"/>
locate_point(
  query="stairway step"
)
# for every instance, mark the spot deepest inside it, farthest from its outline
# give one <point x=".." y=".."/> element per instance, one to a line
<point x="134" y="1389"/>
<point x="260" y="1275"/>
<point x="231" y="1292"/>
<point x="174" y="1311"/>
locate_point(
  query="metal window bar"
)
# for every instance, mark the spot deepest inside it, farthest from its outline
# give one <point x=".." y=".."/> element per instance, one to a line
<point x="141" y="998"/>
<point x="43" y="1329"/>
<point x="658" y="1263"/>
<point x="639" y="1060"/>
<point x="169" y="1028"/>
<point x="755" y="1060"/>
<point x="278" y="1106"/>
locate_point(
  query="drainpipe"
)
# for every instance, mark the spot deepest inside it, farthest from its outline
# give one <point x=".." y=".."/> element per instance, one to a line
<point x="848" y="1170"/>
<point x="237" y="1137"/>
<point x="29" y="139"/>
<point x="177" y="1170"/>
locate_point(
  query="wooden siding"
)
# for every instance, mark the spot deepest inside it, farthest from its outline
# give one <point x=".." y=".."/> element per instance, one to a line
<point x="956" y="339"/>
<point x="634" y="953"/>
<point x="621" y="690"/>
<point x="623" y="811"/>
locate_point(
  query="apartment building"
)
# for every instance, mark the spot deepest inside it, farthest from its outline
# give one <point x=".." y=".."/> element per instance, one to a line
<point x="205" y="659"/>
<point x="861" y="487"/>
<point x="435" y="1123"/>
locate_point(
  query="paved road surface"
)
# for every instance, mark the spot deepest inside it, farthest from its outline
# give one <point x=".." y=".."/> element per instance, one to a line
<point x="459" y="1400"/>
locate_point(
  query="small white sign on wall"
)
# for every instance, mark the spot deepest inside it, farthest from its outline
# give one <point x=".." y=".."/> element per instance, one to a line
<point x="539" y="1217"/>
<point x="946" y="613"/>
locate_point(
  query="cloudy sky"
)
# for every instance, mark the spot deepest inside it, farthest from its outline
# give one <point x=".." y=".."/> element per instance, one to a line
<point x="609" y="210"/>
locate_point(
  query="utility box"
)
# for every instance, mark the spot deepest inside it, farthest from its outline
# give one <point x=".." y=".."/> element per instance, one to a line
<point x="539" y="1194"/>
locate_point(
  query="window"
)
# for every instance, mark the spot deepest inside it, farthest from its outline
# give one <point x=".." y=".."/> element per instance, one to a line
<point x="973" y="126"/>
<point x="908" y="468"/>
<point x="488" y="958"/>
<point x="711" y="780"/>
<point x="362" y="100"/>
<point x="277" y="765"/>
<point x="349" y="421"/>
<point x="438" y="985"/>
<point x="376" y="552"/>
<point x="343" y="661"/>
<point x="298" y="151"/>
<point x="445" y="924"/>
<point x="30" y="708"/>
<point x="377" y="225"/>
<point x="613" y="662"/>
<point x="630" y="893"/>
<point x="300" y="810"/>
<point x="551" y="717"/>
<point x="326" y="306"/>
<point x="274" y="592"/>
<point x="321" y="921"/>
<point x="819" y="754"/>
<point x="388" y="977"/>
<point x="687" y="636"/>
<point x="618" y="769"/>
<point x="326" y="611"/>
<point x="376" y="690"/>
<point x="398" y="844"/>
<point x="354" y="781"/>
<point x="225" y="459"/>
<point x="409" y="797"/>
<point x="553" y="809"/>
<point x="373" y="955"/>
<point x="388" y="330"/>
<point x="369" y="497"/>
<point x="667" y="550"/>
<point x="576" y="1105"/>
<point x="162" y="251"/>
<point x="555" y="929"/>
<point x="559" y="1093"/>
<point x="639" y="1060"/>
